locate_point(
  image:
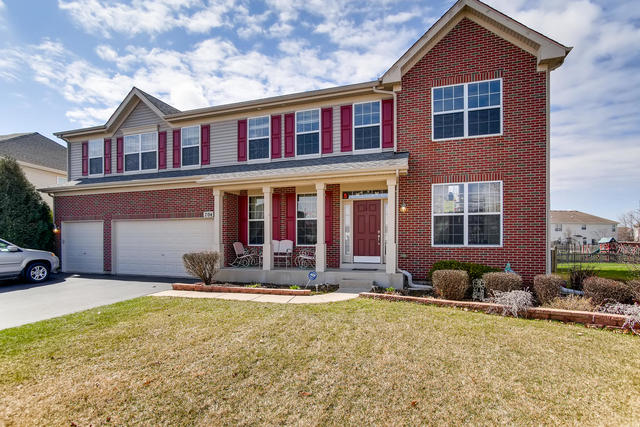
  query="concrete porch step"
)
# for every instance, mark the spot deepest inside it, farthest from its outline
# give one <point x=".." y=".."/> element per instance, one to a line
<point x="361" y="285"/>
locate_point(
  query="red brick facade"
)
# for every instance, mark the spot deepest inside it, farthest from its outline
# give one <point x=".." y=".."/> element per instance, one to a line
<point x="518" y="157"/>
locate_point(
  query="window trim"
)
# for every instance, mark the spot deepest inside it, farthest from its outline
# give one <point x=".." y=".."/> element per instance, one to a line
<point x="313" y="245"/>
<point x="249" y="220"/>
<point x="353" y="128"/>
<point x="262" y="159"/>
<point x="466" y="215"/>
<point x="466" y="110"/>
<point x="182" y="147"/>
<point x="296" y="133"/>
<point x="558" y="227"/>
<point x="101" y="141"/>
<point x="124" y="154"/>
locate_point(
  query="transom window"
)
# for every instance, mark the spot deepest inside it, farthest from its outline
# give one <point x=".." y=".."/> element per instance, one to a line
<point x="141" y="152"/>
<point x="467" y="214"/>
<point x="307" y="220"/>
<point x="472" y="109"/>
<point x="256" y="220"/>
<point x="307" y="132"/>
<point x="366" y="125"/>
<point x="190" y="140"/>
<point x="259" y="129"/>
<point x="96" y="156"/>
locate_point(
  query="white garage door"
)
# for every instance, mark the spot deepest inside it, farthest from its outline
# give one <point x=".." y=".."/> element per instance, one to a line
<point x="82" y="244"/>
<point x="155" y="247"/>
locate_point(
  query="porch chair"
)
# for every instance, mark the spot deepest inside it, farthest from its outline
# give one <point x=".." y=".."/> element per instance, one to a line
<point x="244" y="258"/>
<point x="283" y="250"/>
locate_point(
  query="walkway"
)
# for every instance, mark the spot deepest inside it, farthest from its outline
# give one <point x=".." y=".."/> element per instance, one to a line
<point x="281" y="299"/>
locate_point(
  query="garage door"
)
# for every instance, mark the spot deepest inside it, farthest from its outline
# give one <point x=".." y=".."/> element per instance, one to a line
<point x="155" y="247"/>
<point x="82" y="245"/>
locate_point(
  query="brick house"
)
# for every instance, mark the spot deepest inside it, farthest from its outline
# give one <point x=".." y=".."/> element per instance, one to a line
<point x="445" y="156"/>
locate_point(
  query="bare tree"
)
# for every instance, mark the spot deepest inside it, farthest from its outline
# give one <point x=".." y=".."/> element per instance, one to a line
<point x="631" y="220"/>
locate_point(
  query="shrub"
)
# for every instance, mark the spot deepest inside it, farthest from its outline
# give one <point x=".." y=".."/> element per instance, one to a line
<point x="634" y="285"/>
<point x="204" y="265"/>
<point x="572" y="302"/>
<point x="503" y="282"/>
<point x="450" y="284"/>
<point x="547" y="287"/>
<point x="631" y="313"/>
<point x="602" y="291"/>
<point x="578" y="273"/>
<point x="513" y="302"/>
<point x="294" y="287"/>
<point x="475" y="271"/>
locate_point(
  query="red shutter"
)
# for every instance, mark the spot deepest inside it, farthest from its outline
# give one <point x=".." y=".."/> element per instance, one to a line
<point x="107" y="155"/>
<point x="243" y="219"/>
<point x="177" y="134"/>
<point x="162" y="150"/>
<point x="276" y="137"/>
<point x="387" y="123"/>
<point x="328" y="218"/>
<point x="275" y="230"/>
<point x="327" y="130"/>
<point x="289" y="135"/>
<point x="242" y="140"/>
<point x="291" y="217"/>
<point x="119" y="154"/>
<point x="85" y="158"/>
<point x="204" y="144"/>
<point x="345" y="128"/>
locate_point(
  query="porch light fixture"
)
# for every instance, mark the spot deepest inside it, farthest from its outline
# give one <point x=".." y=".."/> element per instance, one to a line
<point x="56" y="230"/>
<point x="403" y="208"/>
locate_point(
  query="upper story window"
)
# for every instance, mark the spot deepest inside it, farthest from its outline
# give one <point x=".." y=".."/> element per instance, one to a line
<point x="141" y="152"/>
<point x="584" y="226"/>
<point x="366" y="125"/>
<point x="259" y="130"/>
<point x="613" y="228"/>
<point x="471" y="109"/>
<point x="96" y="156"/>
<point x="558" y="227"/>
<point x="307" y="132"/>
<point x="467" y="214"/>
<point x="256" y="220"/>
<point x="190" y="140"/>
<point x="307" y="220"/>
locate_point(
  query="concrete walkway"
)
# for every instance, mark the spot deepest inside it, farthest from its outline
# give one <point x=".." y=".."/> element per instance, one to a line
<point x="281" y="299"/>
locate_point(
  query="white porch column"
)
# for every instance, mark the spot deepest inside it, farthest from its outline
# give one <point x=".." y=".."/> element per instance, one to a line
<point x="321" y="247"/>
<point x="392" y="250"/>
<point x="218" y="246"/>
<point x="267" y="250"/>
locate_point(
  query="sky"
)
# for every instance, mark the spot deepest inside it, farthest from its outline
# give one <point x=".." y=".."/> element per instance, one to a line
<point x="67" y="64"/>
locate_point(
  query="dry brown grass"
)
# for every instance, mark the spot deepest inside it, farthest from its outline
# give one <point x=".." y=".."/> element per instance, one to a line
<point x="572" y="302"/>
<point x="161" y="361"/>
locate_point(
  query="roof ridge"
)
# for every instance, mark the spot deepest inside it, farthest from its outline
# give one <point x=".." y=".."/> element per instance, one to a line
<point x="160" y="104"/>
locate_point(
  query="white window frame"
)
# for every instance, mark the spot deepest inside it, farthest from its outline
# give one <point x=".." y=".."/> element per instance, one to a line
<point x="182" y="147"/>
<point x="319" y="131"/>
<point x="613" y="228"/>
<point x="583" y="227"/>
<point x="353" y="131"/>
<point x="262" y="159"/>
<point x="466" y="215"/>
<point x="558" y="227"/>
<point x="306" y="219"/>
<point x="124" y="153"/>
<point x="101" y="143"/>
<point x="249" y="220"/>
<point x="466" y="109"/>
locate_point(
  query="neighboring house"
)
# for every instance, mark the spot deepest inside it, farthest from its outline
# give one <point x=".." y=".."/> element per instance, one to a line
<point x="43" y="161"/>
<point x="625" y="234"/>
<point x="580" y="228"/>
<point x="444" y="156"/>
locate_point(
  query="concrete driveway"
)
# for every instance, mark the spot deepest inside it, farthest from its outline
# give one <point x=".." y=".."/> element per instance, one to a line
<point x="22" y="303"/>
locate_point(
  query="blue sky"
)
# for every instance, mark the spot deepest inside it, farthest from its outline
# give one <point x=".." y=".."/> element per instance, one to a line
<point x="68" y="64"/>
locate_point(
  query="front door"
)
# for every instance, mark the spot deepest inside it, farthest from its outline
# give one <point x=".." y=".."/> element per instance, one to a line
<point x="367" y="232"/>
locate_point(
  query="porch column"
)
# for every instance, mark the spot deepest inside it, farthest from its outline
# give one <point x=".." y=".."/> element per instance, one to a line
<point x="321" y="247"/>
<point x="218" y="245"/>
<point x="267" y="250"/>
<point x="391" y="256"/>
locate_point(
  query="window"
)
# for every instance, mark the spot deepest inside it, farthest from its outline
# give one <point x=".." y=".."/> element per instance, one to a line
<point x="467" y="214"/>
<point x="190" y="140"/>
<point x="472" y="109"/>
<point x="613" y="228"/>
<point x="306" y="219"/>
<point x="259" y="129"/>
<point x="307" y="132"/>
<point x="140" y="152"/>
<point x="366" y="125"/>
<point x="584" y="226"/>
<point x="558" y="227"/>
<point x="96" y="152"/>
<point x="256" y="220"/>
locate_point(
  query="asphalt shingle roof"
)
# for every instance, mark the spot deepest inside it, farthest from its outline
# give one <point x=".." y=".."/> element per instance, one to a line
<point x="34" y="148"/>
<point x="160" y="105"/>
<point x="577" y="217"/>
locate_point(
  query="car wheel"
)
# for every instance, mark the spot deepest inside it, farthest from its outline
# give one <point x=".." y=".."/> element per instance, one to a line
<point x="37" y="272"/>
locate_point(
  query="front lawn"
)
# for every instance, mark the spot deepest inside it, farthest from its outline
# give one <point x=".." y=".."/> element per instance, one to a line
<point x="609" y="270"/>
<point x="175" y="361"/>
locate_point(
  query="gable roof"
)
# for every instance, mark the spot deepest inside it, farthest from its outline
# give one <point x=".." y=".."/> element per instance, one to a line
<point x="34" y="148"/>
<point x="159" y="104"/>
<point x="577" y="217"/>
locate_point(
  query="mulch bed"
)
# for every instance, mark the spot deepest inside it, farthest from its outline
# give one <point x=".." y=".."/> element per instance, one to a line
<point x="199" y="287"/>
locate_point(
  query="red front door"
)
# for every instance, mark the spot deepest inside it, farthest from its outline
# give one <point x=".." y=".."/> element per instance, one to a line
<point x="367" y="232"/>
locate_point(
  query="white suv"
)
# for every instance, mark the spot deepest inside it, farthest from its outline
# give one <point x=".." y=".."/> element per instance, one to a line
<point x="31" y="264"/>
